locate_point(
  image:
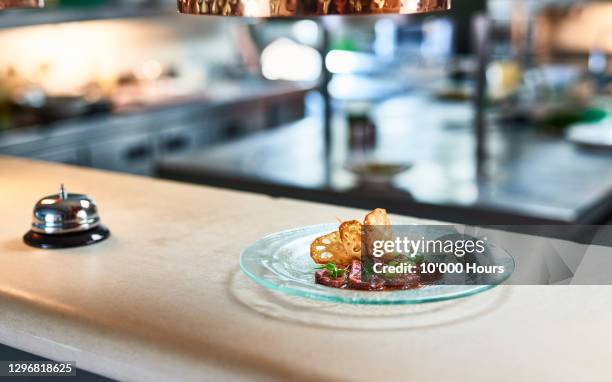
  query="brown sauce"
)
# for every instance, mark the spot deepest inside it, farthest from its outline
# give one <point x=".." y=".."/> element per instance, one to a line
<point x="351" y="280"/>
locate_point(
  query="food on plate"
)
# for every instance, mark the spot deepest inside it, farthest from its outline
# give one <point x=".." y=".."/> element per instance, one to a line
<point x="350" y="236"/>
<point x="377" y="217"/>
<point x="339" y="256"/>
<point x="329" y="249"/>
<point x="355" y="281"/>
<point x="331" y="276"/>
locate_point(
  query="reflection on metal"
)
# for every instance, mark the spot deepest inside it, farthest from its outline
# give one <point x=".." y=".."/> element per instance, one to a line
<point x="65" y="220"/>
<point x="308" y="8"/>
<point x="10" y="4"/>
<point x="65" y="213"/>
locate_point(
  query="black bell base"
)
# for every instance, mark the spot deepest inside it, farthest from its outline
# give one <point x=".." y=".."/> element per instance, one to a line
<point x="66" y="240"/>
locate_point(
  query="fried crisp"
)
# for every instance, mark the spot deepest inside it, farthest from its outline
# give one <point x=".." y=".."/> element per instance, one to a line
<point x="344" y="246"/>
<point x="377" y="227"/>
<point x="377" y="217"/>
<point x="350" y="235"/>
<point x="329" y="249"/>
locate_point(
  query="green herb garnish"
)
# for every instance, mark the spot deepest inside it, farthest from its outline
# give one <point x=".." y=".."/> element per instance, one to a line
<point x="332" y="270"/>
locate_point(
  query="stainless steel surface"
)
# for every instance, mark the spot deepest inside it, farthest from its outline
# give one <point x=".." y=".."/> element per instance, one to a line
<point x="52" y="13"/>
<point x="65" y="213"/>
<point x="132" y="141"/>
<point x="533" y="174"/>
<point x="308" y="8"/>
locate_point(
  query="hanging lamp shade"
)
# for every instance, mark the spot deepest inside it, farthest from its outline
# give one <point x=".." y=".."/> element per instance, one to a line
<point x="14" y="4"/>
<point x="308" y="8"/>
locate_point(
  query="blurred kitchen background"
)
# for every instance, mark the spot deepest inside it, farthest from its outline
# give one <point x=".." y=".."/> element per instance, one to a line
<point x="497" y="112"/>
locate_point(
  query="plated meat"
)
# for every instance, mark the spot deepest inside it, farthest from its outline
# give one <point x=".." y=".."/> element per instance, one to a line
<point x="323" y="277"/>
<point x="339" y="256"/>
<point x="353" y="280"/>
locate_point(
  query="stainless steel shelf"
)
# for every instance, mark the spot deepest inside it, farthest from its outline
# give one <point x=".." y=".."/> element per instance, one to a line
<point x="28" y="17"/>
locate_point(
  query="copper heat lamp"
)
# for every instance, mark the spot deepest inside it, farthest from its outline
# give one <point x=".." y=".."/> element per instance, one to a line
<point x="309" y="8"/>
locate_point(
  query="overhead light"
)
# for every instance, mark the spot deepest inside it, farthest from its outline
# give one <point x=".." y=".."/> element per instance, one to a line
<point x="309" y="8"/>
<point x="13" y="4"/>
<point x="287" y="60"/>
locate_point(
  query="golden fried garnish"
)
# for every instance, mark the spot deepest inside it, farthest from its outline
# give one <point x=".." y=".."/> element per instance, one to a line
<point x="344" y="246"/>
<point x="377" y="227"/>
<point x="377" y="217"/>
<point x="350" y="235"/>
<point x="328" y="249"/>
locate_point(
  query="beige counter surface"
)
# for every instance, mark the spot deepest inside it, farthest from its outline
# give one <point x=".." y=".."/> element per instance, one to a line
<point x="159" y="300"/>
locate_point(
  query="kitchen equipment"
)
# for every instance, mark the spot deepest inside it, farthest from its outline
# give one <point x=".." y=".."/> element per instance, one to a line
<point x="308" y="8"/>
<point x="362" y="129"/>
<point x="65" y="220"/>
<point x="10" y="4"/>
<point x="371" y="172"/>
<point x="57" y="108"/>
<point x="593" y="135"/>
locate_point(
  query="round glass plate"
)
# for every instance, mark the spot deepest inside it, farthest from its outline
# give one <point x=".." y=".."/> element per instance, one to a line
<point x="282" y="262"/>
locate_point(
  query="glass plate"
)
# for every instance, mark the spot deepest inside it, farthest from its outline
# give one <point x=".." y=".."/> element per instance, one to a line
<point x="282" y="262"/>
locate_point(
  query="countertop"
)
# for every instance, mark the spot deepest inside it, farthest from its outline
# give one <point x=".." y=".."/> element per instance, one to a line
<point x="163" y="299"/>
<point x="532" y="177"/>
